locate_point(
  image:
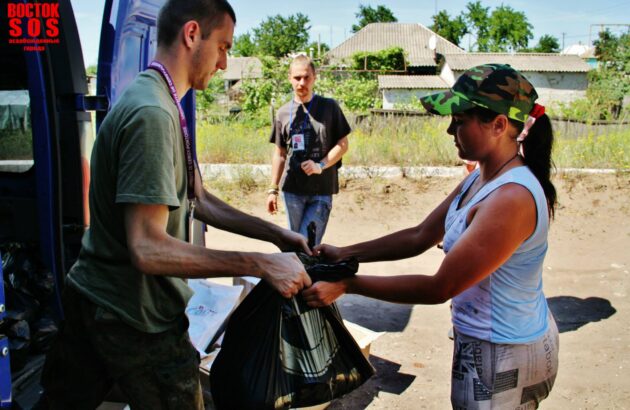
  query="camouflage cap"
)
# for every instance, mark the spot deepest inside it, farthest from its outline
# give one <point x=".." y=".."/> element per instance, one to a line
<point x="497" y="87"/>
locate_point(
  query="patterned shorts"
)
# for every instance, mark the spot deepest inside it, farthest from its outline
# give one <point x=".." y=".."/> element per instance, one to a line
<point x="503" y="376"/>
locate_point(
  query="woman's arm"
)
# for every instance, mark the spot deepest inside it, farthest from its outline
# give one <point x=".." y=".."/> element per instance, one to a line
<point x="497" y="227"/>
<point x="403" y="244"/>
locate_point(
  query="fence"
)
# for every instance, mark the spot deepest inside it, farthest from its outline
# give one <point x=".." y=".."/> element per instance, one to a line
<point x="564" y="127"/>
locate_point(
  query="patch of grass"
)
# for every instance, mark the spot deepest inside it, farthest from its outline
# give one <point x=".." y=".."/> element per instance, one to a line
<point x="233" y="190"/>
<point x="233" y="142"/>
<point x="603" y="151"/>
<point x="16" y="144"/>
<point x="403" y="142"/>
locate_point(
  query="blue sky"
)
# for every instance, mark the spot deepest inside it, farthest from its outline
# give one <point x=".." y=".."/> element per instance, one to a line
<point x="333" y="19"/>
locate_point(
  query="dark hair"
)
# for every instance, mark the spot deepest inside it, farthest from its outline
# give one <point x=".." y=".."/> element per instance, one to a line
<point x="536" y="149"/>
<point x="175" y="13"/>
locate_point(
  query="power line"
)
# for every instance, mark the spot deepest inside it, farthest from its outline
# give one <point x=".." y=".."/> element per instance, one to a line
<point x="609" y="7"/>
<point x="601" y="28"/>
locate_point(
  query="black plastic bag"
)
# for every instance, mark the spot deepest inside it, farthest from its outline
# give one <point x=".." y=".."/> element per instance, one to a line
<point x="43" y="332"/>
<point x="19" y="334"/>
<point x="21" y="304"/>
<point x="279" y="353"/>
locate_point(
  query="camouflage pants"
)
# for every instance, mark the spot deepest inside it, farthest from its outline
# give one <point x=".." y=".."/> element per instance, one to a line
<point x="94" y="350"/>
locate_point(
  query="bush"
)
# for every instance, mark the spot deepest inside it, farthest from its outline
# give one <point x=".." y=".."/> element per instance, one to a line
<point x="391" y="59"/>
<point x="356" y="93"/>
<point x="206" y="98"/>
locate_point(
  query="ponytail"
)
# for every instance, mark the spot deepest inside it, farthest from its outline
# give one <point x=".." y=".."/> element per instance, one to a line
<point x="536" y="150"/>
<point x="537" y="156"/>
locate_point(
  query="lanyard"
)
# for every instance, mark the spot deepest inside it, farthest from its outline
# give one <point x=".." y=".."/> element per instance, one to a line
<point x="306" y="114"/>
<point x="190" y="164"/>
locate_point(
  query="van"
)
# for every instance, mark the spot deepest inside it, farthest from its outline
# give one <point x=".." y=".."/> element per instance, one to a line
<point x="46" y="136"/>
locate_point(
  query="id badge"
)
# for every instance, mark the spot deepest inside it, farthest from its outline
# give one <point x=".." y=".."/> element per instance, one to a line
<point x="297" y="142"/>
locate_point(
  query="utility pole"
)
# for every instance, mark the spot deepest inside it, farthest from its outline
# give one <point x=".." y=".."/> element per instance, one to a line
<point x="319" y="45"/>
<point x="601" y="28"/>
<point x="563" y="34"/>
<point x="435" y="7"/>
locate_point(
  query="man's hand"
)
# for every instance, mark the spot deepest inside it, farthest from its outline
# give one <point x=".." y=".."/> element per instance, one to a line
<point x="290" y="241"/>
<point x="311" y="167"/>
<point x="323" y="293"/>
<point x="272" y="203"/>
<point x="328" y="252"/>
<point x="286" y="274"/>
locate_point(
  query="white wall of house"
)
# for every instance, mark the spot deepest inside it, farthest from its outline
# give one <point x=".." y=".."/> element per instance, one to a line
<point x="558" y="87"/>
<point x="394" y="96"/>
<point x="554" y="88"/>
<point x="447" y="75"/>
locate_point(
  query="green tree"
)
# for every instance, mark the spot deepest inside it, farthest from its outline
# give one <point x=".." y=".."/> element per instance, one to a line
<point x="509" y="29"/>
<point x="451" y="29"/>
<point x="258" y="93"/>
<point x="319" y="49"/>
<point x="613" y="50"/>
<point x="278" y="36"/>
<point x="611" y="81"/>
<point x="477" y="19"/>
<point x="547" y="44"/>
<point x="91" y="70"/>
<point x="368" y="14"/>
<point x="243" y="46"/>
<point x="505" y="29"/>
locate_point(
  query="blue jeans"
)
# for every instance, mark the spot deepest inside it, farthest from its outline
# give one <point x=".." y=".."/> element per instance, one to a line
<point x="302" y="209"/>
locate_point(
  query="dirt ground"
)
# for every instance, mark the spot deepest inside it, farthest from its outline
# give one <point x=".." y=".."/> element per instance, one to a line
<point x="586" y="281"/>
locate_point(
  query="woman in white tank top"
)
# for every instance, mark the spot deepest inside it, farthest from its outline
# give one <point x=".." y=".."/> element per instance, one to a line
<point x="494" y="228"/>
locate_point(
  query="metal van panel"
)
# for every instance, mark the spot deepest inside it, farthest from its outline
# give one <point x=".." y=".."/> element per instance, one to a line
<point x="69" y="84"/>
<point x="128" y="44"/>
<point x="5" y="374"/>
<point x="3" y="303"/>
<point x="45" y="155"/>
<point x="5" y="366"/>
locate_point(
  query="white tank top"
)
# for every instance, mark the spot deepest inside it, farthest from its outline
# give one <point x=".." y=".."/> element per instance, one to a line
<point x="508" y="306"/>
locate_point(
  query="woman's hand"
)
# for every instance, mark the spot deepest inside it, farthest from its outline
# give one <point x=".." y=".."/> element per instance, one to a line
<point x="328" y="252"/>
<point x="324" y="293"/>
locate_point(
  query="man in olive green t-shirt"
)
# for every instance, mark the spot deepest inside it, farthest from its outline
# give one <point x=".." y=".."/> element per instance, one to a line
<point x="126" y="295"/>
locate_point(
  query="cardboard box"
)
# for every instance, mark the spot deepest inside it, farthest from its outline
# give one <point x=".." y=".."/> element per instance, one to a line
<point x="363" y="336"/>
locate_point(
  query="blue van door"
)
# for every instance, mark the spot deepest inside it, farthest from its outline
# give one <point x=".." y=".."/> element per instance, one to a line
<point x="45" y="137"/>
<point x="128" y="44"/>
<point x="45" y="143"/>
